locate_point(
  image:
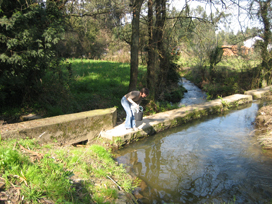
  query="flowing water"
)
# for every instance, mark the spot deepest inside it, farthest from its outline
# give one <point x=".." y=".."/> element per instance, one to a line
<point x="194" y="95"/>
<point x="212" y="160"/>
<point x="216" y="159"/>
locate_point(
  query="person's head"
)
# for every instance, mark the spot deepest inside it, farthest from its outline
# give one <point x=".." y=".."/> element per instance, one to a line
<point x="144" y="92"/>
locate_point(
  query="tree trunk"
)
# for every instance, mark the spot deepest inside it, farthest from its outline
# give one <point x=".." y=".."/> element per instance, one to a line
<point x="163" y="66"/>
<point x="135" y="45"/>
<point x="266" y="57"/>
<point x="151" y="73"/>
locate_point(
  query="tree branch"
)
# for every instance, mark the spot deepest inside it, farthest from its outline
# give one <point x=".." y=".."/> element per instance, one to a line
<point x="190" y="17"/>
<point x="90" y="14"/>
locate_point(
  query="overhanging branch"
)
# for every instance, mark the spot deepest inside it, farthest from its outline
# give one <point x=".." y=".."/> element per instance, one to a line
<point x="189" y="17"/>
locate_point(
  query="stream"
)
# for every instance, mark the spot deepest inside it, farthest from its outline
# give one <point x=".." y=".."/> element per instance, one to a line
<point x="215" y="159"/>
<point x="194" y="95"/>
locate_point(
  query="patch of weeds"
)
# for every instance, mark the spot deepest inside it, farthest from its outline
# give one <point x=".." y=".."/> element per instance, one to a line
<point x="117" y="141"/>
<point x="225" y="103"/>
<point x="30" y="144"/>
<point x="10" y="113"/>
<point x="54" y="111"/>
<point x="157" y="107"/>
<point x="48" y="146"/>
<point x="38" y="179"/>
<point x="209" y="97"/>
<point x="137" y="182"/>
<point x="51" y="175"/>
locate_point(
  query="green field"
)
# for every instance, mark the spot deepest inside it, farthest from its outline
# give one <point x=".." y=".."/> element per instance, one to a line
<point x="82" y="84"/>
<point x="101" y="84"/>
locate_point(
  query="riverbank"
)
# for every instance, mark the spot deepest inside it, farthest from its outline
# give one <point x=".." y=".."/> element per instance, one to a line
<point x="264" y="124"/>
<point x="35" y="173"/>
<point x="84" y="168"/>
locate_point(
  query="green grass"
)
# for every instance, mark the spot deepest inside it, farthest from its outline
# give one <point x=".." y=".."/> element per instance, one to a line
<point x="101" y="84"/>
<point x="238" y="63"/>
<point x="50" y="177"/>
<point x="80" y="85"/>
<point x="232" y="75"/>
<point x="89" y="85"/>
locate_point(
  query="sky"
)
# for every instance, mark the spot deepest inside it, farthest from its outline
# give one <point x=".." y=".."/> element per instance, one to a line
<point x="234" y="24"/>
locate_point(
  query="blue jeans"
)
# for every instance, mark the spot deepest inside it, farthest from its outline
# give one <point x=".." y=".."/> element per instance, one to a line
<point x="130" y="119"/>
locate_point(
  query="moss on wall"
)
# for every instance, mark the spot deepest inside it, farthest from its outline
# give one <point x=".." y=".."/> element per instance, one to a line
<point x="67" y="129"/>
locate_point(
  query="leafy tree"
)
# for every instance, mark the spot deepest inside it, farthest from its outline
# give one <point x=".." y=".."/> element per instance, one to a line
<point x="261" y="10"/>
<point x="30" y="32"/>
<point x="166" y="31"/>
<point x="264" y="12"/>
<point x="151" y="62"/>
<point x="92" y="26"/>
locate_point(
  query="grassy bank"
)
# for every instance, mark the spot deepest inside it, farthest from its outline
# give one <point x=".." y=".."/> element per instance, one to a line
<point x="32" y="173"/>
<point x="81" y="85"/>
<point x="232" y="75"/>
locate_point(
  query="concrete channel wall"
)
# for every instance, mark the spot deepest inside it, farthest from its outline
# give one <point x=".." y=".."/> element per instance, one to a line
<point x="78" y="127"/>
<point x="65" y="129"/>
<point x="152" y="124"/>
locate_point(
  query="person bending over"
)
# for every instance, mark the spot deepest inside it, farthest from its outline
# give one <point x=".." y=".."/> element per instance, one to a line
<point x="132" y="99"/>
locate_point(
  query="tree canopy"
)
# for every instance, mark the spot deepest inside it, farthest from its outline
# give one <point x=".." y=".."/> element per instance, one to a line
<point x="29" y="33"/>
<point x="36" y="35"/>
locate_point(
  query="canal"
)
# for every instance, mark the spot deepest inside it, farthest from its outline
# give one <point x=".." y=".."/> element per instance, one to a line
<point x="216" y="159"/>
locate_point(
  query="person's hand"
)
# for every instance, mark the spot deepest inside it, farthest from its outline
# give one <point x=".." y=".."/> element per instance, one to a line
<point x="135" y="107"/>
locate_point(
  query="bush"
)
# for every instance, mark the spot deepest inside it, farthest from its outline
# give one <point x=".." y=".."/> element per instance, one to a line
<point x="175" y="95"/>
<point x="29" y="35"/>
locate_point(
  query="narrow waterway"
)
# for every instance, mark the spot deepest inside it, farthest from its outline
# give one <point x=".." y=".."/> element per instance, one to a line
<point x="216" y="159"/>
<point x="194" y="95"/>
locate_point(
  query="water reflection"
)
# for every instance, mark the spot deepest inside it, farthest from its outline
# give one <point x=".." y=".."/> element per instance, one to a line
<point x="213" y="160"/>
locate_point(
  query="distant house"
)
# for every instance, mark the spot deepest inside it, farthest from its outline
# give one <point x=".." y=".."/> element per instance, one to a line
<point x="251" y="41"/>
<point x="232" y="50"/>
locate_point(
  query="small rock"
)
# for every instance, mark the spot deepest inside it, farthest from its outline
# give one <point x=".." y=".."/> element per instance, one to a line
<point x="30" y="117"/>
<point x="2" y="185"/>
<point x="2" y="122"/>
<point x="122" y="198"/>
<point x="143" y="185"/>
<point x="138" y="195"/>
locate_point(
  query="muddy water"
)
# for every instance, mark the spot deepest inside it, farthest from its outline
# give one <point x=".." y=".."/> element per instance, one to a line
<point x="212" y="160"/>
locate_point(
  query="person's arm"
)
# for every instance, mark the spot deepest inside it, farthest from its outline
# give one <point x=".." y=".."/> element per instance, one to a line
<point x="131" y="101"/>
